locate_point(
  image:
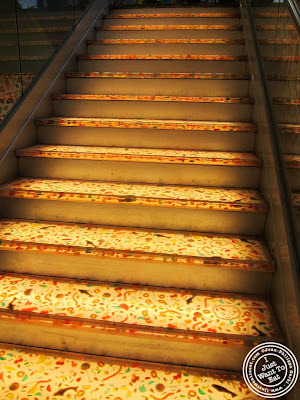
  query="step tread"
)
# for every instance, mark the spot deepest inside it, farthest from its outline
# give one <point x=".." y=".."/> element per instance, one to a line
<point x="175" y="15"/>
<point x="292" y="160"/>
<point x="165" y="41"/>
<point x="168" y="27"/>
<point x="141" y="155"/>
<point x="286" y="101"/>
<point x="228" y="251"/>
<point x="185" y="99"/>
<point x="296" y="201"/>
<point x="149" y="124"/>
<point x="159" y="310"/>
<point x="245" y="200"/>
<point x="111" y="375"/>
<point x="289" y="128"/>
<point x="156" y="75"/>
<point x="274" y="27"/>
<point x="209" y="57"/>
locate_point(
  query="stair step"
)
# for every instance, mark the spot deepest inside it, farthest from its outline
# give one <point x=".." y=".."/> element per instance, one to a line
<point x="296" y="202"/>
<point x="73" y="105"/>
<point x="292" y="160"/>
<point x="112" y="310"/>
<point x="150" y="124"/>
<point x="95" y="375"/>
<point x="176" y="84"/>
<point x="175" y="15"/>
<point x="177" y="63"/>
<point x="206" y="99"/>
<point x="134" y="255"/>
<point x="197" y="135"/>
<point x="32" y="43"/>
<point x="141" y="155"/>
<point x="185" y="167"/>
<point x="209" y="57"/>
<point x="137" y="205"/>
<point x="165" y="41"/>
<point x="169" y="27"/>
<point x="23" y="58"/>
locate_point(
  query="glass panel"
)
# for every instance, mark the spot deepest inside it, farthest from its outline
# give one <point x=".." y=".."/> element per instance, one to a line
<point x="10" y="78"/>
<point x="279" y="41"/>
<point x="30" y="32"/>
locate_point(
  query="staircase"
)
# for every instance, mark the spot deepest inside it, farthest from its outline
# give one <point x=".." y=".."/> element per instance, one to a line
<point x="131" y="244"/>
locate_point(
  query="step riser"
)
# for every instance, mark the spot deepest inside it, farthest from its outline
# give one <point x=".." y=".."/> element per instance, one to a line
<point x="204" y="175"/>
<point x="170" y="34"/>
<point x="294" y="179"/>
<point x="284" y="89"/>
<point x="204" y="49"/>
<point x="238" y="67"/>
<point x="287" y="113"/>
<point x="27" y="50"/>
<point x="155" y="138"/>
<point x="279" y="67"/>
<point x="279" y="34"/>
<point x="189" y="276"/>
<point x="135" y="216"/>
<point x="176" y="87"/>
<point x="279" y="50"/>
<point x="170" y="21"/>
<point x="133" y="346"/>
<point x="148" y="109"/>
<point x="290" y="143"/>
<point x="27" y="66"/>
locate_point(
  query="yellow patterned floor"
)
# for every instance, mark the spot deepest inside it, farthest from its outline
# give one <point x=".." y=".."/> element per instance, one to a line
<point x="48" y="375"/>
<point x="135" y="244"/>
<point x="138" y="307"/>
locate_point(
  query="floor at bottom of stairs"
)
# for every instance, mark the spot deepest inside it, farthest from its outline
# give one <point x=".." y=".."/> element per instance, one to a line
<point x="31" y="373"/>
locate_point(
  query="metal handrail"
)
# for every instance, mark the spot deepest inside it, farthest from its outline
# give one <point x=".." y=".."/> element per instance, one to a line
<point x="295" y="12"/>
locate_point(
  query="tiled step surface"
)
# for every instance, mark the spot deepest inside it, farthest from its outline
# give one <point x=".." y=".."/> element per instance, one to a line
<point x="151" y="124"/>
<point x="130" y="314"/>
<point x="111" y="242"/>
<point x="136" y="194"/>
<point x="60" y="374"/>
<point x="136" y="205"/>
<point x="159" y="309"/>
<point x="169" y="27"/>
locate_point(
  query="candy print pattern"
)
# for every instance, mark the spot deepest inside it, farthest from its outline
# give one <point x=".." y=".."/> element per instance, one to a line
<point x="136" y="194"/>
<point x="149" y="124"/>
<point x="11" y="90"/>
<point x="141" y="155"/>
<point x="190" y="99"/>
<point x="168" y="27"/>
<point x="213" y="313"/>
<point x="284" y="101"/>
<point x="135" y="244"/>
<point x="60" y="376"/>
<point x="275" y="27"/>
<point x="162" y="57"/>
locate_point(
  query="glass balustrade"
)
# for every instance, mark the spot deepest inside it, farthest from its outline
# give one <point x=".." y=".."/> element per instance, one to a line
<point x="30" y="33"/>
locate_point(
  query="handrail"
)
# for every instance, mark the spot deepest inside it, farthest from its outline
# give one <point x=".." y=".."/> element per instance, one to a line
<point x="295" y="12"/>
<point x="285" y="199"/>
